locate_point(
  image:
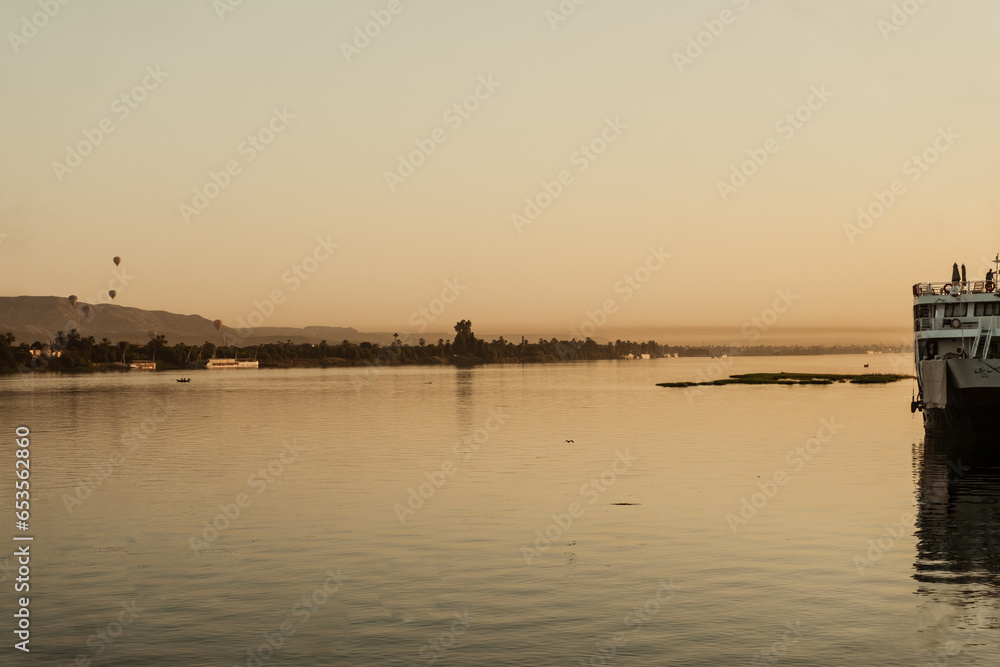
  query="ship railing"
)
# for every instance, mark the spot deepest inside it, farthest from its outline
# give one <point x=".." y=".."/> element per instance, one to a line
<point x="966" y="287"/>
<point x="933" y="324"/>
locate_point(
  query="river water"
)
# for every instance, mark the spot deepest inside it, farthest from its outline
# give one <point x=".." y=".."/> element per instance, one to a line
<point x="439" y="516"/>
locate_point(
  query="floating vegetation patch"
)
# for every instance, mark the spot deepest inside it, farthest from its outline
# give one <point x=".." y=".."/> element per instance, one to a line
<point x="794" y="378"/>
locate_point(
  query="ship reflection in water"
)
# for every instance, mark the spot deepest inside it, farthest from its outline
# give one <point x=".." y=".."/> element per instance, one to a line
<point x="958" y="542"/>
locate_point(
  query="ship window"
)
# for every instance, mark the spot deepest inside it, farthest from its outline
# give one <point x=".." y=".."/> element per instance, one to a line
<point x="987" y="308"/>
<point x="954" y="310"/>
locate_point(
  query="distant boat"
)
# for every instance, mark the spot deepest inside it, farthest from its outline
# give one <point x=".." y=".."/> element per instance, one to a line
<point x="216" y="363"/>
<point x="183" y="379"/>
<point x="230" y="363"/>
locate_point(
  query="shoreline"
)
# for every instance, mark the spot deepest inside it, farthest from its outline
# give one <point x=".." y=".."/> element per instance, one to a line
<point x="74" y="353"/>
<point x="466" y="362"/>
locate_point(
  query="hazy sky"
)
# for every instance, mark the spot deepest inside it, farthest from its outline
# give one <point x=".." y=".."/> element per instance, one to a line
<point x="116" y="112"/>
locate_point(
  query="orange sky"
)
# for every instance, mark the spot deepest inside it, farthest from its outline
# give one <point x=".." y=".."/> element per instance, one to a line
<point x="637" y="165"/>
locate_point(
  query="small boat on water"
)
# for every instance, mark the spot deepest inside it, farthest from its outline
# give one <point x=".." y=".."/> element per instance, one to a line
<point x="957" y="354"/>
<point x="183" y="379"/>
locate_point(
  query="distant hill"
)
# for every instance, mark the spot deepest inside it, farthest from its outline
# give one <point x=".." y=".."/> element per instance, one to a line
<point x="39" y="318"/>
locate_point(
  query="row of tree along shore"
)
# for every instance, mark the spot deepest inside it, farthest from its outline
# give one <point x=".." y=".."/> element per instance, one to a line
<point x="74" y="352"/>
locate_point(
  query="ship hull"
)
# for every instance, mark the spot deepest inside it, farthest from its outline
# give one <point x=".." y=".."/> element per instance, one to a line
<point x="971" y="408"/>
<point x="965" y="423"/>
<point x="970" y="413"/>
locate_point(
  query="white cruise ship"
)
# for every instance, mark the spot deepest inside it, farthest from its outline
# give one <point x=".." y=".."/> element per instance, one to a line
<point x="957" y="354"/>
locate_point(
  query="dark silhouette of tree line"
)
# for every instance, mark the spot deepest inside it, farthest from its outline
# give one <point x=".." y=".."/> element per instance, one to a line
<point x="73" y="352"/>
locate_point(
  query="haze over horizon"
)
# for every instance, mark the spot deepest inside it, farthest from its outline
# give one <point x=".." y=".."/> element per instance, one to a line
<point x="129" y="117"/>
<point x="41" y="318"/>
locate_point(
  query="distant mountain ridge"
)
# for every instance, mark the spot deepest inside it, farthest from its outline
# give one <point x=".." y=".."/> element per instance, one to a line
<point x="40" y="318"/>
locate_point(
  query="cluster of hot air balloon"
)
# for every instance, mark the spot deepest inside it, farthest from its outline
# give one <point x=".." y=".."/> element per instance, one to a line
<point x="72" y="301"/>
<point x="72" y="298"/>
<point x="113" y="293"/>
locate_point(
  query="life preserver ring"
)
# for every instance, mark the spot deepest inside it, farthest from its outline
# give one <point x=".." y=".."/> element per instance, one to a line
<point x="946" y="289"/>
<point x="990" y="286"/>
<point x="956" y="323"/>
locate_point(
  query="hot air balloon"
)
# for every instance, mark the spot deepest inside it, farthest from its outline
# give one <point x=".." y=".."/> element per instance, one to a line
<point x="112" y="293"/>
<point x="72" y="299"/>
<point x="217" y="324"/>
<point x="117" y="261"/>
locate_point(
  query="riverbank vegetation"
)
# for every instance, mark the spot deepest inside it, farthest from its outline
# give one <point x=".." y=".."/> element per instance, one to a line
<point x="70" y="351"/>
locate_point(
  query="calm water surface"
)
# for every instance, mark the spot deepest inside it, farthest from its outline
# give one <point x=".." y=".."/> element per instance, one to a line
<point x="438" y="516"/>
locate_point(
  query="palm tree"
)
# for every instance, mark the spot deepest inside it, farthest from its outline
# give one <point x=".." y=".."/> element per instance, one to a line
<point x="395" y="339"/>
